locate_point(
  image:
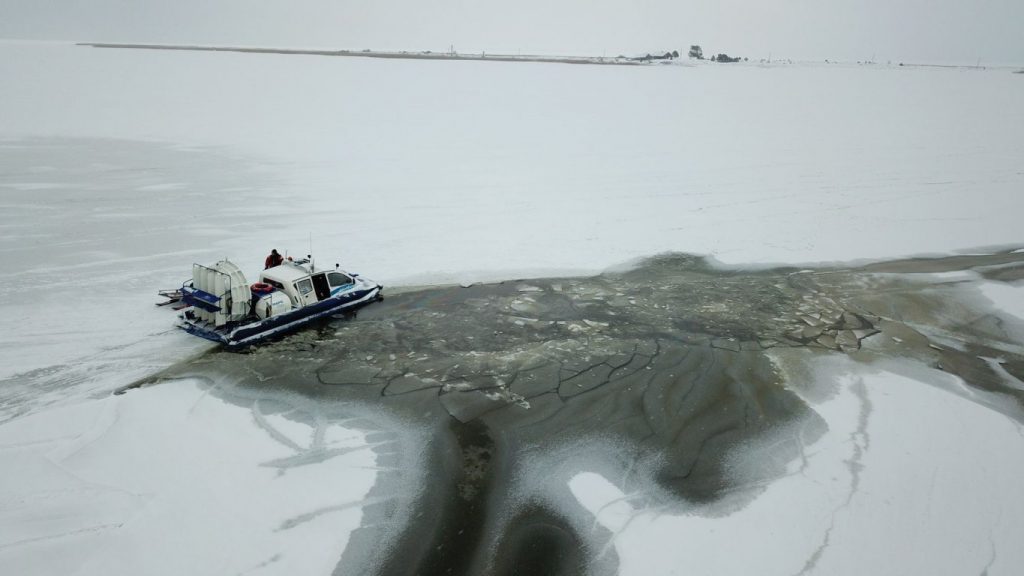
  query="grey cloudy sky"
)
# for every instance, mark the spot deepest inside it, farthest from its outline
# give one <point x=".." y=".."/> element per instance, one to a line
<point x="897" y="30"/>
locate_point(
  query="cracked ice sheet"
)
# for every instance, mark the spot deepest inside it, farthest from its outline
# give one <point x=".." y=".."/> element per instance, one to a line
<point x="934" y="494"/>
<point x="169" y="480"/>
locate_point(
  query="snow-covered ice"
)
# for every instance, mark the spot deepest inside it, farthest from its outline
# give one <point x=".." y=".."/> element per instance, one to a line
<point x="901" y="483"/>
<point x="1007" y="297"/>
<point x="177" y="480"/>
<point x="120" y="168"/>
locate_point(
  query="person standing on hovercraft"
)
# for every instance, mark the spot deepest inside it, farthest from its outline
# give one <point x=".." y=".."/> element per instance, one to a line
<point x="274" y="259"/>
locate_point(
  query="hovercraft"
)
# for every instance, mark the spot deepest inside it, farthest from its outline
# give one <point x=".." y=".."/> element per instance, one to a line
<point x="221" y="306"/>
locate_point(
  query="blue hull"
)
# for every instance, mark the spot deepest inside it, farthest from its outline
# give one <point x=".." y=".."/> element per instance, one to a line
<point x="242" y="335"/>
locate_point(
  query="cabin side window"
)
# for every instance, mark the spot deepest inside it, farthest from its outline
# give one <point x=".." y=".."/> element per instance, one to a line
<point x="338" y="279"/>
<point x="304" y="286"/>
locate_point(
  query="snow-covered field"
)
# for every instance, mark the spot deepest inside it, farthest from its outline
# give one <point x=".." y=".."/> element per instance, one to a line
<point x="119" y="168"/>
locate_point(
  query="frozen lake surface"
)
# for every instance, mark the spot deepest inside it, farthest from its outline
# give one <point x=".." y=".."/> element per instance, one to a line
<point x="826" y="419"/>
<point x="625" y="423"/>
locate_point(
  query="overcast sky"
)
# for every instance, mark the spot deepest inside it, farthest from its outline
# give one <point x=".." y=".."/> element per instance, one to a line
<point x="896" y="30"/>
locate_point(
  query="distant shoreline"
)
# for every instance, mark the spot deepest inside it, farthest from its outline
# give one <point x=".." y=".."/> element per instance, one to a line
<point x="483" y="57"/>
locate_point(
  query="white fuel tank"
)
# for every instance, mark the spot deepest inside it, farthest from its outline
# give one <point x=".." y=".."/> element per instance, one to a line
<point x="273" y="304"/>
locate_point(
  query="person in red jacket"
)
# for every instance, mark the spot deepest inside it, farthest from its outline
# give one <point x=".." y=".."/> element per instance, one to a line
<point x="274" y="259"/>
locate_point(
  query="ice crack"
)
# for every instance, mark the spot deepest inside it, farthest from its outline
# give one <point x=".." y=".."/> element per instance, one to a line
<point x="861" y="441"/>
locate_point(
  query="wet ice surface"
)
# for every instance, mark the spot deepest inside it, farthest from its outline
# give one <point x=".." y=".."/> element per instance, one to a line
<point x="630" y="423"/>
